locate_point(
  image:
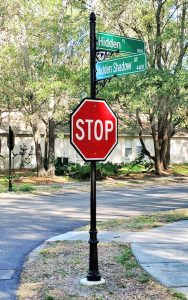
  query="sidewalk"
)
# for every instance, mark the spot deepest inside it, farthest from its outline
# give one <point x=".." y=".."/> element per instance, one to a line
<point x="162" y="252"/>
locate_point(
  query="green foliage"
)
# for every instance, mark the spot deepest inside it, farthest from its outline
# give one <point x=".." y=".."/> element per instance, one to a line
<point x="44" y="252"/>
<point x="107" y="170"/>
<point x="48" y="297"/>
<point x="127" y="260"/>
<point x="60" y="168"/>
<point x="179" y="295"/>
<point x="181" y="169"/>
<point x="104" y="170"/>
<point x="82" y="172"/>
<point x="126" y="255"/>
<point x="158" y="95"/>
<point x="144" y="222"/>
<point x="139" y="165"/>
<point x="23" y="188"/>
<point x="44" y="60"/>
<point x="143" y="278"/>
<point x="78" y="171"/>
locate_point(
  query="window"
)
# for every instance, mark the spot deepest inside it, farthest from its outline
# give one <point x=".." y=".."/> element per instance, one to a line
<point x="65" y="160"/>
<point x="128" y="152"/>
<point x="138" y="149"/>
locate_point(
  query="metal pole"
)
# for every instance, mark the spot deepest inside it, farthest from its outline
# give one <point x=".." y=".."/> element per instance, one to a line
<point x="92" y="56"/>
<point x="93" y="274"/>
<point x="10" y="170"/>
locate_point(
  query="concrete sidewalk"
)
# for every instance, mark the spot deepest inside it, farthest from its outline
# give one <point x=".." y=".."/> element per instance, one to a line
<point x="162" y="252"/>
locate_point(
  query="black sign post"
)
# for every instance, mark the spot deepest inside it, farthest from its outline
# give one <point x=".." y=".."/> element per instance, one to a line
<point x="93" y="273"/>
<point x="10" y="143"/>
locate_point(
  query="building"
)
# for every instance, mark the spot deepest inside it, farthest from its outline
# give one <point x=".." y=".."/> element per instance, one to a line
<point x="126" y="151"/>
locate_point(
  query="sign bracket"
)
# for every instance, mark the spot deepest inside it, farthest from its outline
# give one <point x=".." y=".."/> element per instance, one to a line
<point x="102" y="83"/>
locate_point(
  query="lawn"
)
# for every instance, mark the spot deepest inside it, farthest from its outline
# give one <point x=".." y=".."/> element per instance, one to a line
<point x="143" y="222"/>
<point x="181" y="169"/>
<point x="27" y="180"/>
<point x="56" y="270"/>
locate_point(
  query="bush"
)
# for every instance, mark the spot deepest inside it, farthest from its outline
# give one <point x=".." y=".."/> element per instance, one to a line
<point x="60" y="168"/>
<point x="103" y="170"/>
<point x="79" y="171"/>
<point x="23" y="188"/>
<point x="139" y="165"/>
<point x="107" y="170"/>
<point x="26" y="188"/>
<point x="82" y="172"/>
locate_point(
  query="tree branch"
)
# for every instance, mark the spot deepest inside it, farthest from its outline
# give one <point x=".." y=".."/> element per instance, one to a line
<point x="170" y="17"/>
<point x="158" y="50"/>
<point x="134" y="28"/>
<point x="144" y="149"/>
<point x="183" y="48"/>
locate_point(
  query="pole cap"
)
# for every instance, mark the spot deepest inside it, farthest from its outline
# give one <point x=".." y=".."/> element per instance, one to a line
<point x="92" y="17"/>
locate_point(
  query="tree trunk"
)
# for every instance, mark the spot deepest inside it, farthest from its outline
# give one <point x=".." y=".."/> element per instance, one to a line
<point x="51" y="151"/>
<point x="39" y="160"/>
<point x="166" y="161"/>
<point x="153" y="122"/>
<point x="171" y="132"/>
<point x="46" y="150"/>
<point x="164" y="145"/>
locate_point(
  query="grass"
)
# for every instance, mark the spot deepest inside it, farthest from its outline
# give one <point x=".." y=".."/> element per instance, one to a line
<point x="60" y="263"/>
<point x="43" y="278"/>
<point x="127" y="259"/>
<point x="131" y="265"/>
<point x="179" y="295"/>
<point x="47" y="297"/>
<point x="27" y="181"/>
<point x="176" y="169"/>
<point x="181" y="169"/>
<point x="129" y="169"/>
<point x="23" y="188"/>
<point x="142" y="222"/>
<point x="145" y="221"/>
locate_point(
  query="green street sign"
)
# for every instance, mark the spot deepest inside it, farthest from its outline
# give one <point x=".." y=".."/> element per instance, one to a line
<point x="121" y="66"/>
<point x="116" y="43"/>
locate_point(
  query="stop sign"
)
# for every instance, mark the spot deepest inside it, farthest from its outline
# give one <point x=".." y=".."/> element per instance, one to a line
<point x="93" y="129"/>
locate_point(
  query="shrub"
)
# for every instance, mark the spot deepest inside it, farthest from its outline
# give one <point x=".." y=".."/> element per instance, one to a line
<point x="79" y="171"/>
<point x="82" y="172"/>
<point x="103" y="170"/>
<point x="60" y="168"/>
<point x="23" y="188"/>
<point x="107" y="170"/>
<point x="26" y="188"/>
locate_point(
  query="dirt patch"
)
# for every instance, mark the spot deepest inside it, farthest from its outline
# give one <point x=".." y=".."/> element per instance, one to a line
<point x="39" y="180"/>
<point x="57" y="270"/>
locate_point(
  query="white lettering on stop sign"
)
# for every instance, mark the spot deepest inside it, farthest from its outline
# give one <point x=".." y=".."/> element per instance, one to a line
<point x="99" y="130"/>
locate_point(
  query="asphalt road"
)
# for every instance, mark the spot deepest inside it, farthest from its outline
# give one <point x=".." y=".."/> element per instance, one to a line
<point x="26" y="221"/>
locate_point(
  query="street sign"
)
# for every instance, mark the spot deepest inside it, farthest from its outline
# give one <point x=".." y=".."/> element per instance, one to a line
<point x="116" y="43"/>
<point x="93" y="129"/>
<point x="121" y="66"/>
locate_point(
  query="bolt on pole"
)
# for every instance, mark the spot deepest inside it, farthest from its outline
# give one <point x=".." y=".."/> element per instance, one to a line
<point x="93" y="273"/>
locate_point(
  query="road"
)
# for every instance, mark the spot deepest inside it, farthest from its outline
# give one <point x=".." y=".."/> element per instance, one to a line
<point x="27" y="220"/>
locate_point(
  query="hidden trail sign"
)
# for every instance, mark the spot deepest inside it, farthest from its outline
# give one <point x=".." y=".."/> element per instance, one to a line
<point x="115" y="43"/>
<point x="93" y="129"/>
<point x="121" y="66"/>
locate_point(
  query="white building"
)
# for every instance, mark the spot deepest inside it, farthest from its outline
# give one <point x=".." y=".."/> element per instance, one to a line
<point x="126" y="150"/>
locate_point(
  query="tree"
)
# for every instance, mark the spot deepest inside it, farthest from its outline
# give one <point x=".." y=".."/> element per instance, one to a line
<point x="37" y="59"/>
<point x="160" y="93"/>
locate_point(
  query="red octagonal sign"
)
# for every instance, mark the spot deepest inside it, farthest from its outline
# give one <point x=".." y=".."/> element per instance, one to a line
<point x="93" y="129"/>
